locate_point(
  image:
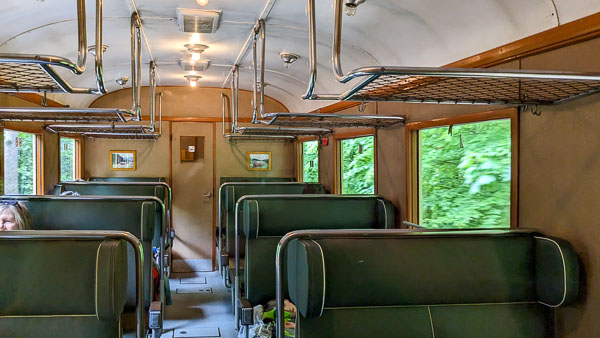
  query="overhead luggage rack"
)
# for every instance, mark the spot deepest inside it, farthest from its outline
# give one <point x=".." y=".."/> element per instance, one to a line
<point x="36" y="73"/>
<point x="471" y="86"/>
<point x="46" y="114"/>
<point x="446" y="85"/>
<point x="124" y="136"/>
<point x="333" y="120"/>
<point x="283" y="131"/>
<point x="96" y="128"/>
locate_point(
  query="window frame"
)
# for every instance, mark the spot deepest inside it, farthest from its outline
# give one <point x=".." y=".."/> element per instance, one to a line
<point x="39" y="154"/>
<point x="338" y="138"/>
<point x="77" y="160"/>
<point x="300" y="157"/>
<point x="413" y="148"/>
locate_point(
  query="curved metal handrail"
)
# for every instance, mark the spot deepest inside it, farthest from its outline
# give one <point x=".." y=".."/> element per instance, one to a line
<point x="96" y="235"/>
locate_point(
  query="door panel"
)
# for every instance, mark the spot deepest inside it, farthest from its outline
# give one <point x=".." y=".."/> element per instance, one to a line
<point x="193" y="195"/>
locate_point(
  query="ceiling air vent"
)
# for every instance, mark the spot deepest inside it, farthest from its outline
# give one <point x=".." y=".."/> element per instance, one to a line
<point x="198" y="66"/>
<point x="197" y="20"/>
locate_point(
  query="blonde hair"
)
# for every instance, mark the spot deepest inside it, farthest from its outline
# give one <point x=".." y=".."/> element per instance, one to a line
<point x="21" y="213"/>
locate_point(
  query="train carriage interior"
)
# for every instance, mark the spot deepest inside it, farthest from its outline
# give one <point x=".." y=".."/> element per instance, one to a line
<point x="279" y="168"/>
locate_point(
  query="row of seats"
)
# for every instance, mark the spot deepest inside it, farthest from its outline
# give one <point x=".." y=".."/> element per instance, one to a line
<point x="351" y="275"/>
<point x="133" y="210"/>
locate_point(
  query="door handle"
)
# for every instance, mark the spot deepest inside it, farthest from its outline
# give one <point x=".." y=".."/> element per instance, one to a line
<point x="208" y="195"/>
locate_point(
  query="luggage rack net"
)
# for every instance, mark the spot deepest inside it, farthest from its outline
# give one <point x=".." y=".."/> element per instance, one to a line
<point x="445" y="85"/>
<point x="333" y="120"/>
<point x="35" y="73"/>
<point x="65" y="114"/>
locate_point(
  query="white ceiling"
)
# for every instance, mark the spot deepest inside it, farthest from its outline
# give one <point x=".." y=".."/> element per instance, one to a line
<point x="384" y="32"/>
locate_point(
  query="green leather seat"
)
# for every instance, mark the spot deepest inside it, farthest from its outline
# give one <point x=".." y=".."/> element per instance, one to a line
<point x="438" y="284"/>
<point x="256" y="179"/>
<point x="157" y="189"/>
<point x="232" y="192"/>
<point x="268" y="218"/>
<point x="62" y="288"/>
<point x="136" y="215"/>
<point x="127" y="179"/>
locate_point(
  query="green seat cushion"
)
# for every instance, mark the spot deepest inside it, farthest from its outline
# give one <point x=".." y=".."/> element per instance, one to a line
<point x="157" y="189"/>
<point x="411" y="322"/>
<point x="126" y="179"/>
<point x="412" y="271"/>
<point x="232" y="192"/>
<point x="56" y="327"/>
<point x="556" y="284"/>
<point x="494" y="321"/>
<point x="256" y="179"/>
<point x="275" y="215"/>
<point x="63" y="278"/>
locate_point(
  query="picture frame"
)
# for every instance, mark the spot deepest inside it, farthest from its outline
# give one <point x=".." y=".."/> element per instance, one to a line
<point x="123" y="160"/>
<point x="258" y="160"/>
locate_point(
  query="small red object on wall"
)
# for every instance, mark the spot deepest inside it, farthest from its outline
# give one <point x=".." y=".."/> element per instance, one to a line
<point x="325" y="141"/>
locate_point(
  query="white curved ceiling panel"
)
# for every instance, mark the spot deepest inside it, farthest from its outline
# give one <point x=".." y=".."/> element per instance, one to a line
<point x="383" y="32"/>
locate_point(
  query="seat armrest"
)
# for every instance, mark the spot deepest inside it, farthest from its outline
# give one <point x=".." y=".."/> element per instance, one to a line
<point x="246" y="311"/>
<point x="224" y="258"/>
<point x="155" y="317"/>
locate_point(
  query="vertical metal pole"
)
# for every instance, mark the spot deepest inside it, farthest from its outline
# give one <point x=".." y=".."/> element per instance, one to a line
<point x="99" y="48"/>
<point x="152" y="77"/>
<point x="82" y="35"/>
<point x="235" y="98"/>
<point x="312" y="56"/>
<point x="262" y="68"/>
<point x="337" y="41"/>
<point x="254" y="83"/>
<point x="236" y="277"/>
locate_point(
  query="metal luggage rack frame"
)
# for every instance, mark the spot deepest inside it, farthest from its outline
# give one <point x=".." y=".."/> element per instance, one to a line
<point x="122" y="131"/>
<point x="333" y="120"/>
<point x="51" y="114"/>
<point x="321" y="121"/>
<point x="446" y="85"/>
<point x="258" y="133"/>
<point x="35" y="73"/>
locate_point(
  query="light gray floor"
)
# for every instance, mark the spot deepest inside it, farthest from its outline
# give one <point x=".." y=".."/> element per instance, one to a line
<point x="194" y="311"/>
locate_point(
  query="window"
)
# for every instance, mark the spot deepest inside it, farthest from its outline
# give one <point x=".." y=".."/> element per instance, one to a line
<point x="21" y="165"/>
<point x="357" y="165"/>
<point x="310" y="161"/>
<point x="462" y="174"/>
<point x="68" y="159"/>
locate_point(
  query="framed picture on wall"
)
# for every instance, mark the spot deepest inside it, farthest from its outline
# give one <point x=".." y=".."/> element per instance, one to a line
<point x="259" y="160"/>
<point x="122" y="160"/>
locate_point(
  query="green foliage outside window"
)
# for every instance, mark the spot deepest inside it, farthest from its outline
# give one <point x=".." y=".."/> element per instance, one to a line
<point x="466" y="175"/>
<point x="26" y="163"/>
<point x="358" y="165"/>
<point x="310" y="161"/>
<point x="67" y="159"/>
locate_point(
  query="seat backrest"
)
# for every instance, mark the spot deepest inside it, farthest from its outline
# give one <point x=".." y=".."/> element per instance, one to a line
<point x="256" y="179"/>
<point x="232" y="192"/>
<point x="157" y="189"/>
<point x="61" y="288"/>
<point x="497" y="283"/>
<point x="140" y="216"/>
<point x="265" y="219"/>
<point x="126" y="179"/>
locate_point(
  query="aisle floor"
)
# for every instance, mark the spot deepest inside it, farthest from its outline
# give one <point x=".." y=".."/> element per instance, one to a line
<point x="201" y="307"/>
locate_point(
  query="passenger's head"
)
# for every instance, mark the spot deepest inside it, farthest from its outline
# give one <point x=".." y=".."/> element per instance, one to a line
<point x="14" y="216"/>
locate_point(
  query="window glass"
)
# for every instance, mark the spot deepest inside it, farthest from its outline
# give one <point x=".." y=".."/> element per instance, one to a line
<point x="310" y="161"/>
<point x="20" y="168"/>
<point x="358" y="165"/>
<point x="465" y="175"/>
<point x="67" y="159"/>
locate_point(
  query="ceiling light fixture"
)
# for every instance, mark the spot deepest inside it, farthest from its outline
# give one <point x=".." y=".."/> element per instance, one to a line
<point x="202" y="2"/>
<point x="351" y="5"/>
<point x="288" y="58"/>
<point x="195" y="49"/>
<point x="193" y="79"/>
<point x="92" y="49"/>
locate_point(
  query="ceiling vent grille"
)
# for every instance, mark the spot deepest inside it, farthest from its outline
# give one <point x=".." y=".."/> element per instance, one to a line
<point x="198" y="66"/>
<point x="197" y="20"/>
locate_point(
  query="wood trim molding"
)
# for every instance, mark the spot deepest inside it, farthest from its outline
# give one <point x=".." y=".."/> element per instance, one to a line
<point x="412" y="148"/>
<point x="355" y="133"/>
<point x="577" y="31"/>
<point x="584" y="29"/>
